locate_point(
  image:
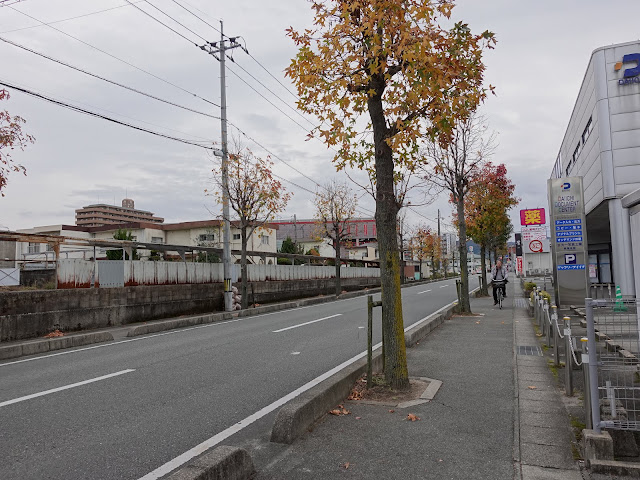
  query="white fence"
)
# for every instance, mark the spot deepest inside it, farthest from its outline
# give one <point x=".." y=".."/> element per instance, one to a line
<point x="77" y="273"/>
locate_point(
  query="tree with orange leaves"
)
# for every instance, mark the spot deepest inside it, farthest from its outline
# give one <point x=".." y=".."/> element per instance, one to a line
<point x="490" y="197"/>
<point x="380" y="75"/>
<point x="254" y="195"/>
<point x="11" y="137"/>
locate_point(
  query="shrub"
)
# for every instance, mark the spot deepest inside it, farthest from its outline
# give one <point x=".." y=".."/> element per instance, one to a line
<point x="543" y="294"/>
<point x="528" y="287"/>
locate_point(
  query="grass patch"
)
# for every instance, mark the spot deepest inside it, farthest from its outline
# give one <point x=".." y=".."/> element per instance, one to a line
<point x="578" y="426"/>
<point x="554" y="369"/>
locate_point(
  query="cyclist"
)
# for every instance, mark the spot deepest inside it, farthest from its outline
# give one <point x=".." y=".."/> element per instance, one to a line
<point x="498" y="279"/>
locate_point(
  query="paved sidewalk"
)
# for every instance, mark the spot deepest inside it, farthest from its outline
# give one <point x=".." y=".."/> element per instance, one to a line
<point x="484" y="423"/>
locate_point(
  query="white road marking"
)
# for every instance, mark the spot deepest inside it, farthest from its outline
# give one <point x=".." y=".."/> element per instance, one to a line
<point x="295" y="353"/>
<point x="219" y="437"/>
<point x="307" y="323"/>
<point x="66" y="387"/>
<point x="360" y="327"/>
<point x="442" y="286"/>
<point x="420" y="293"/>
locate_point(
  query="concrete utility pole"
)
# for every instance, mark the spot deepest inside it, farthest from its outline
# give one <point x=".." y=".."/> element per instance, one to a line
<point x="219" y="52"/>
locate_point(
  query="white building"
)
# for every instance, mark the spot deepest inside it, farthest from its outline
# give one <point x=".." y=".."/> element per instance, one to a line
<point x="207" y="233"/>
<point x="602" y="145"/>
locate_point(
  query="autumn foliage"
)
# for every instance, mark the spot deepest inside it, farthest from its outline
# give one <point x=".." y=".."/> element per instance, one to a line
<point x="11" y="137"/>
<point x="380" y="75"/>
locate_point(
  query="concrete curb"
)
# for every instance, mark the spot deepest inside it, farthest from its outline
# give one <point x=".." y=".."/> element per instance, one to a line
<point x="221" y="463"/>
<point x="294" y="418"/>
<point x="163" y="325"/>
<point x="48" y="345"/>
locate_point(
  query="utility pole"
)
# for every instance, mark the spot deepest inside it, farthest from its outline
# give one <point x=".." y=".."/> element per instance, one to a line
<point x="219" y="52"/>
<point x="440" y="242"/>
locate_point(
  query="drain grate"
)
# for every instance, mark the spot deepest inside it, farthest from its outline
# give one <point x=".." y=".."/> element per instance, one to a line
<point x="527" y="350"/>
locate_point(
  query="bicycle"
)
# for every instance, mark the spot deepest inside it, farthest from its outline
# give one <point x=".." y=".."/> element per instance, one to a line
<point x="500" y="285"/>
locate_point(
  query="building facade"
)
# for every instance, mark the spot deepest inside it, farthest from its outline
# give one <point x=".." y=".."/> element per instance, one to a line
<point x="602" y="145"/>
<point x="104" y="214"/>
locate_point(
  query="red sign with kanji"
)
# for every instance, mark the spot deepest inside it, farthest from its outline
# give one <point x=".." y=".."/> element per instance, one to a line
<point x="534" y="216"/>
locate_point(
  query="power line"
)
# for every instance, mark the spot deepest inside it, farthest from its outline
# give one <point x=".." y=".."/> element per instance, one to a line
<point x="117" y="58"/>
<point x="106" y="79"/>
<point x="71" y="18"/>
<point x="98" y="115"/>
<point x="269" y="101"/>
<point x="161" y="22"/>
<point x="181" y="24"/>
<point x="203" y="21"/>
<point x="272" y="93"/>
<point x="274" y="77"/>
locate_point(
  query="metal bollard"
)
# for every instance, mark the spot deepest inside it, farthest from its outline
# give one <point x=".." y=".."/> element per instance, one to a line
<point x="556" y="339"/>
<point x="547" y="321"/>
<point x="587" y="386"/>
<point x="568" y="359"/>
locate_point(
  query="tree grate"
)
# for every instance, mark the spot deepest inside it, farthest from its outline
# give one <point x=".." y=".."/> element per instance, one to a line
<point x="527" y="350"/>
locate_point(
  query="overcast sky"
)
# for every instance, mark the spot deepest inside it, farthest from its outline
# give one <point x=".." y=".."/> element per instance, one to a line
<point x="537" y="67"/>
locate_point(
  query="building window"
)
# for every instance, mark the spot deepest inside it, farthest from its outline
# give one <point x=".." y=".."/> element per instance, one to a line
<point x="49" y="247"/>
<point x="207" y="237"/>
<point x="587" y="131"/>
<point x="264" y="239"/>
<point x="576" y="152"/>
<point x="34" y="247"/>
<point x="157" y="240"/>
<point x="236" y="236"/>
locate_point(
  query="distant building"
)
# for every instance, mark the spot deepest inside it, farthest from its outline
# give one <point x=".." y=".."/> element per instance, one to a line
<point x="362" y="243"/>
<point x="104" y="214"/>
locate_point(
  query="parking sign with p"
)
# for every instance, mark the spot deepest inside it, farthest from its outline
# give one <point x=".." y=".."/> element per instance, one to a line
<point x="569" y="258"/>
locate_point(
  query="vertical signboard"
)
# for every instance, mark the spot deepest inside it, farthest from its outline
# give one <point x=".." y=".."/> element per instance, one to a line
<point x="519" y="253"/>
<point x="569" y="240"/>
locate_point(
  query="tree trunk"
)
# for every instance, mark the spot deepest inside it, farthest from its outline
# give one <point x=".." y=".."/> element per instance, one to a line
<point x="338" y="262"/>
<point x="395" y="361"/>
<point x="244" y="302"/>
<point x="483" y="268"/>
<point x="464" y="306"/>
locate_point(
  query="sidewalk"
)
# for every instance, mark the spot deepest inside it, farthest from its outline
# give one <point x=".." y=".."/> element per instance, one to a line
<point x="485" y="422"/>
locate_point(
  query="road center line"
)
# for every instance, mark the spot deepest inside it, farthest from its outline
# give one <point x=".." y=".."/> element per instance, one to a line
<point x="307" y="323"/>
<point x="420" y="293"/>
<point x="442" y="286"/>
<point x="66" y="387"/>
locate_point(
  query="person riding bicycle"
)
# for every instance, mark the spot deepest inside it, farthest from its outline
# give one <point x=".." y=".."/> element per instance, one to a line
<point x="499" y="280"/>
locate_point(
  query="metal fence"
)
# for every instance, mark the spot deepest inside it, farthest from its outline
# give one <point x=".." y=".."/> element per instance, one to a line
<point x="614" y="348"/>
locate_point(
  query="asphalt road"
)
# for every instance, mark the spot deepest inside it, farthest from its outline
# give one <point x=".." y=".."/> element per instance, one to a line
<point x="123" y="410"/>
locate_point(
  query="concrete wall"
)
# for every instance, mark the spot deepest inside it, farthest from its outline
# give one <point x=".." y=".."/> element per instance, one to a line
<point x="29" y="314"/>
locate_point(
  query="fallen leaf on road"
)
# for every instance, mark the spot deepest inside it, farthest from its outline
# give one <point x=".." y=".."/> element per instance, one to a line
<point x="55" y="333"/>
<point x="345" y="465"/>
<point x="335" y="412"/>
<point x="391" y="411"/>
<point x="532" y="387"/>
<point x="478" y="323"/>
<point x="412" y="417"/>
<point x="358" y="418"/>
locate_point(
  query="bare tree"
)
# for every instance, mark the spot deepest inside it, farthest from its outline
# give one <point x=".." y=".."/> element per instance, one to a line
<point x="335" y="206"/>
<point x="452" y="167"/>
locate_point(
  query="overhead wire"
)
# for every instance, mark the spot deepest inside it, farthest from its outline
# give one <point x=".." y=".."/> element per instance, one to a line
<point x="179" y="23"/>
<point x="106" y="79"/>
<point x="71" y="18"/>
<point x="117" y="58"/>
<point x="160" y="22"/>
<point x="98" y="115"/>
<point x="199" y="18"/>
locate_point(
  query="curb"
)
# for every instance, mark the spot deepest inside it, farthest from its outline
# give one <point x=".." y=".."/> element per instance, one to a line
<point x="221" y="463"/>
<point x="163" y="325"/>
<point x="295" y="418"/>
<point x="42" y="346"/>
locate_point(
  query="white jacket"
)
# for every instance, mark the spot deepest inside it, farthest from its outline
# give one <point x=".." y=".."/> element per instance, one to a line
<point x="498" y="274"/>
